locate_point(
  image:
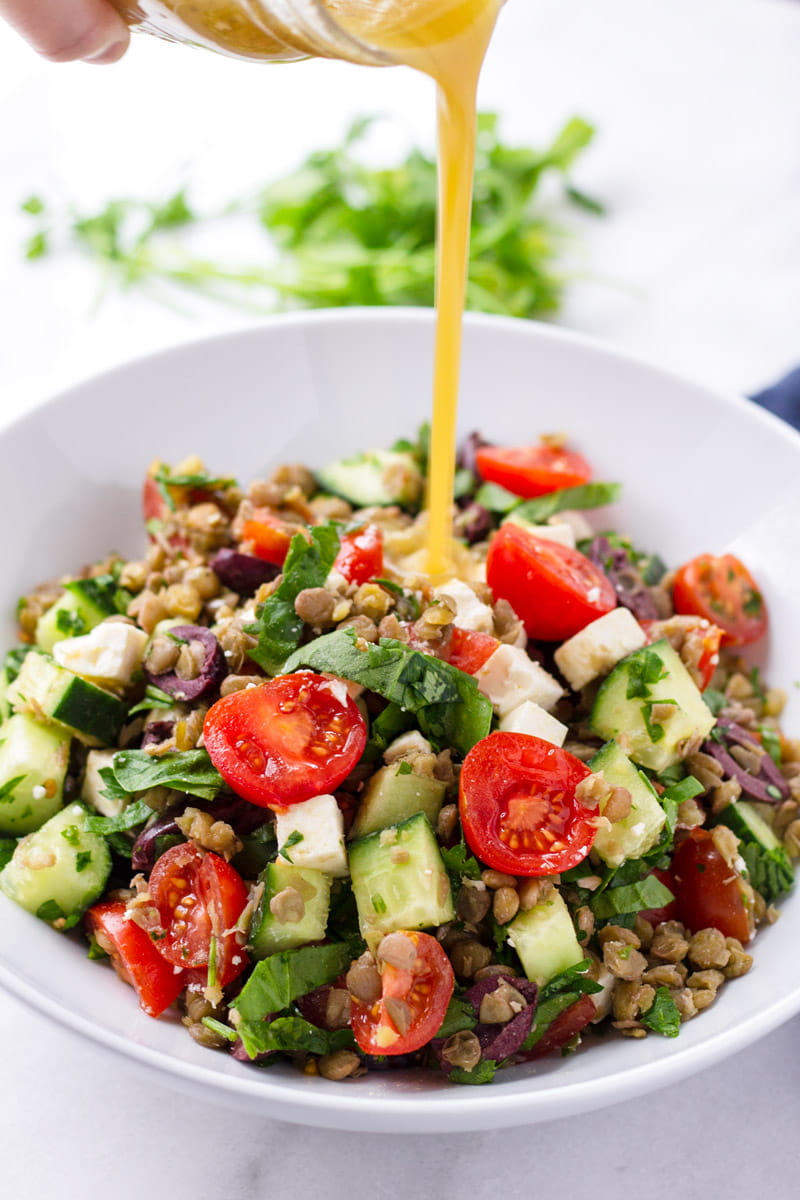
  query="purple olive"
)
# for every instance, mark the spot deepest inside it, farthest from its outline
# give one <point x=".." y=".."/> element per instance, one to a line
<point x="242" y="816"/>
<point x="211" y="674"/>
<point x="242" y="573"/>
<point x="485" y="987"/>
<point x="468" y="451"/>
<point x="501" y="1041"/>
<point x="473" y="523"/>
<point x="156" y="732"/>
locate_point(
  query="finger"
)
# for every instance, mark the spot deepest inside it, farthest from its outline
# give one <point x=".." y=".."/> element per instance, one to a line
<point x="65" y="30"/>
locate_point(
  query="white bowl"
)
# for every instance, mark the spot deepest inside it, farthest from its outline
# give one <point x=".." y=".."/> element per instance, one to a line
<point x="702" y="472"/>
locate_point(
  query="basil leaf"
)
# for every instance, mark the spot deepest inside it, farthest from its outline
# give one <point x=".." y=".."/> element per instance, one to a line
<point x="278" y="980"/>
<point x="769" y="871"/>
<point x="588" y="495"/>
<point x="291" y="1034"/>
<point x="663" y="1016"/>
<point x="278" y="627"/>
<point x="459" y="1016"/>
<point x="459" y="864"/>
<point x="449" y="708"/>
<point x="574" y="979"/>
<point x="484" y="1072"/>
<point x="135" y="814"/>
<point x="631" y="898"/>
<point x="184" y="770"/>
<point x="497" y="499"/>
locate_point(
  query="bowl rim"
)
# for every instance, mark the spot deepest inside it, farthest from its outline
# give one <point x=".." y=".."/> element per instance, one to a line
<point x="456" y="1109"/>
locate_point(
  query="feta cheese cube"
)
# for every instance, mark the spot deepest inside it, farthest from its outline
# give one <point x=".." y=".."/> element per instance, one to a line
<point x="110" y="653"/>
<point x="599" y="647"/>
<point x="532" y="719"/>
<point x="558" y="532"/>
<point x="509" y="677"/>
<point x="471" y="613"/>
<point x="313" y="834"/>
<point x="94" y="786"/>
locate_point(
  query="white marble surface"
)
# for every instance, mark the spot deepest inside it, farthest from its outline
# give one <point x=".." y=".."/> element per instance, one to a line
<point x="697" y="266"/>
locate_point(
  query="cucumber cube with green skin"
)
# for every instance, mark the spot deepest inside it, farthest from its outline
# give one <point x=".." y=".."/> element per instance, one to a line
<point x="58" y="871"/>
<point x="651" y="705"/>
<point x="293" y="909"/>
<point x="33" y="764"/>
<point x="51" y="693"/>
<point x="377" y="477"/>
<point x="392" y="795"/>
<point x="637" y="833"/>
<point x="747" y="823"/>
<point x="82" y="606"/>
<point x="399" y="880"/>
<point x="545" y="940"/>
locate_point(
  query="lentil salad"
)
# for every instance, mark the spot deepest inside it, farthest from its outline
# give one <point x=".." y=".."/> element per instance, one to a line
<point x="340" y="813"/>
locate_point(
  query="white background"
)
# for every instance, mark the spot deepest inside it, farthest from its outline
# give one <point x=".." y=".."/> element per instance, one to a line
<point x="697" y="266"/>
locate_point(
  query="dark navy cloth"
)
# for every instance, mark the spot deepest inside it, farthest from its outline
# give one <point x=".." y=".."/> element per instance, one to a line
<point x="783" y="398"/>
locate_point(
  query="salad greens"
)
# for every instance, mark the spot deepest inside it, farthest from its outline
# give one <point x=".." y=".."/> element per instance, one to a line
<point x="344" y="232"/>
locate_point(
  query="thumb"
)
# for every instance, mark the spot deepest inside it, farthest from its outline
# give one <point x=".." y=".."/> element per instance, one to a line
<point x="65" y="30"/>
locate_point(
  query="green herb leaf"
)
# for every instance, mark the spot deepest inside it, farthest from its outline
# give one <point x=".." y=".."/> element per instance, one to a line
<point x="459" y="1016"/>
<point x="715" y="700"/>
<point x="769" y="871"/>
<point x="294" y="838"/>
<point x="292" y="1035"/>
<point x="7" y="789"/>
<point x="277" y="981"/>
<point x="644" y="669"/>
<point x="649" y="892"/>
<point x="449" y="708"/>
<point x="7" y="848"/>
<point x="130" y="818"/>
<point x="663" y="1016"/>
<point x="589" y="495"/>
<point x="278" y="627"/>
<point x="574" y="980"/>
<point x="218" y="1027"/>
<point x="153" y="698"/>
<point x="484" y="1072"/>
<point x="497" y="499"/>
<point x="189" y="771"/>
<point x="546" y="1012"/>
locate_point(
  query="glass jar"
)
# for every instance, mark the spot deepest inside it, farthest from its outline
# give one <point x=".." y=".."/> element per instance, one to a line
<point x="373" y="32"/>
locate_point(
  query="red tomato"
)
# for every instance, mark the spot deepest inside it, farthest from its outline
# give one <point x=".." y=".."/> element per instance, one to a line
<point x="668" y="912"/>
<point x="412" y="1004"/>
<point x="268" y="536"/>
<point x="709" y="637"/>
<point x="135" y="957"/>
<point x="532" y="470"/>
<point x="724" y="592"/>
<point x="708" y="890"/>
<point x="360" y="557"/>
<point x="295" y="737"/>
<point x="555" y="590"/>
<point x="564" y="1028"/>
<point x="155" y="508"/>
<point x="518" y="806"/>
<point x="469" y="650"/>
<point x="199" y="897"/>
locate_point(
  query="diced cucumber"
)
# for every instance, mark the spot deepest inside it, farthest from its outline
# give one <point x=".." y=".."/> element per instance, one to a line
<point x="637" y="833"/>
<point x="52" y="693"/>
<point x="308" y="909"/>
<point x="379" y="477"/>
<point x="628" y="707"/>
<point x="57" y="872"/>
<point x="392" y="795"/>
<point x="399" y="880"/>
<point x="84" y="604"/>
<point x="545" y="939"/>
<point x="748" y="824"/>
<point x="33" y="763"/>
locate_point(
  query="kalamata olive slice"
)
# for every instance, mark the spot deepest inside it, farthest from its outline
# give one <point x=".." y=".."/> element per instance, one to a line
<point x="212" y="671"/>
<point x="242" y="573"/>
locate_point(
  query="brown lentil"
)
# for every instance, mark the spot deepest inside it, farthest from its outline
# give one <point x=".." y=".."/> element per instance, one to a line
<point x="337" y="1008"/>
<point x="623" y="960"/>
<point x="462" y="1050"/>
<point x="499" y="1006"/>
<point x="342" y="1064"/>
<point x="399" y="1014"/>
<point x="363" y="980"/>
<point x="315" y="606"/>
<point x="397" y="950"/>
<point x="472" y="903"/>
<point x="162" y="655"/>
<point x="669" y="944"/>
<point x="618" y="933"/>
<point x="468" y="957"/>
<point x="147" y="609"/>
<point x="446" y="822"/>
<point x="707" y="949"/>
<point x="739" y="962"/>
<point x="496" y="879"/>
<point x="505" y="905"/>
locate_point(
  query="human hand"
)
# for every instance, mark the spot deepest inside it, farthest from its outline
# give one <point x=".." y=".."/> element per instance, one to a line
<point x="65" y="30"/>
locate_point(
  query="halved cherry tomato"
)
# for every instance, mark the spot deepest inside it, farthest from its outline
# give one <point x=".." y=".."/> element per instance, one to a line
<point x="563" y="1028"/>
<point x="199" y="898"/>
<point x="268" y="536"/>
<point x="360" y="557"/>
<point x="555" y="590"/>
<point x="709" y="893"/>
<point x="469" y="650"/>
<point x="723" y="591"/>
<point x="518" y="806"/>
<point x="707" y="636"/>
<point x="413" y="1000"/>
<point x="295" y="737"/>
<point x="667" y="912"/>
<point x="532" y="470"/>
<point x="135" y="957"/>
